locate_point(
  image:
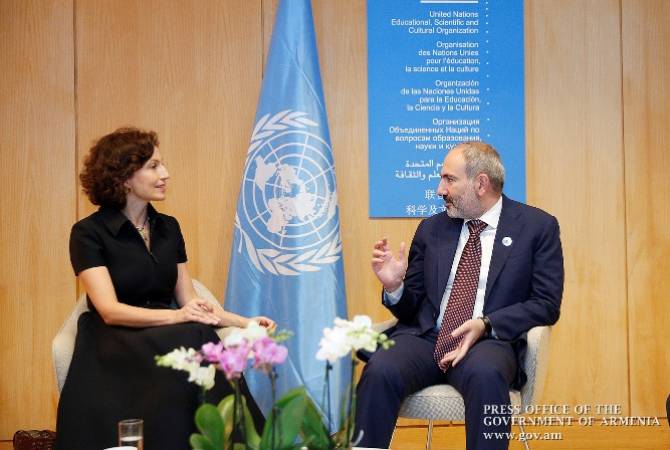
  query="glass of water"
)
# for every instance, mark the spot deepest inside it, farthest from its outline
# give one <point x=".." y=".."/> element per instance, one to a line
<point x="131" y="433"/>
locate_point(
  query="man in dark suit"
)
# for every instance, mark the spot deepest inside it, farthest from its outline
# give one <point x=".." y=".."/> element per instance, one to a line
<point x="480" y="275"/>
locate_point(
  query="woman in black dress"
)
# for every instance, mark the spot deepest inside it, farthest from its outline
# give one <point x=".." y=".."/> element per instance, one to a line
<point x="131" y="261"/>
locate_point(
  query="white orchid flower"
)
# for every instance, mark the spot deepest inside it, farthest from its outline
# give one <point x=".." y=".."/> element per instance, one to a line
<point x="202" y="376"/>
<point x="334" y="344"/>
<point x="348" y="336"/>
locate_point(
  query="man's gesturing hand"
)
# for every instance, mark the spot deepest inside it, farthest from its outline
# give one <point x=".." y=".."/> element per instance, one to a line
<point x="390" y="269"/>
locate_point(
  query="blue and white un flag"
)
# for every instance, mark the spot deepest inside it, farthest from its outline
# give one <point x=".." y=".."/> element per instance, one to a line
<point x="286" y="258"/>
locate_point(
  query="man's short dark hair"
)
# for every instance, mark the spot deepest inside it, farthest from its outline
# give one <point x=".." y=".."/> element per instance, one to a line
<point x="481" y="157"/>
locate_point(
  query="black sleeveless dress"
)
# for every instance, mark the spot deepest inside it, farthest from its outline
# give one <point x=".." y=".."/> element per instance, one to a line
<point x="113" y="375"/>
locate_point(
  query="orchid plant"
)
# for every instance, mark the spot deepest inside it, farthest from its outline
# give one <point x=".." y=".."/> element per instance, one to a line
<point x="294" y="416"/>
<point x="347" y="338"/>
<point x="218" y="424"/>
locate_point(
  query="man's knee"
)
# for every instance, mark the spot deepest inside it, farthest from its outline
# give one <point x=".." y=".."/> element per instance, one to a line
<point x="484" y="376"/>
<point x="383" y="371"/>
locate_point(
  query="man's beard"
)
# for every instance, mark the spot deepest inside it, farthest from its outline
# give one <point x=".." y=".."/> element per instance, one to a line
<point x="466" y="206"/>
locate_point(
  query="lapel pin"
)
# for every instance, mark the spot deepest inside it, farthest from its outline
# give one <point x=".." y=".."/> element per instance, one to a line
<point x="507" y="241"/>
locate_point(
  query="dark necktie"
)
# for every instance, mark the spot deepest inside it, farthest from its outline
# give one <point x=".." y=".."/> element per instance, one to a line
<point x="463" y="292"/>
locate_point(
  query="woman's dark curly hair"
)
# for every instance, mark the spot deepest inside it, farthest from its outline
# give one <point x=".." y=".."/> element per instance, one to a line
<point x="112" y="160"/>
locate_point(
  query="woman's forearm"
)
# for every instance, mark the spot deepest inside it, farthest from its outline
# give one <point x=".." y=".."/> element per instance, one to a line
<point x="229" y="319"/>
<point x="137" y="317"/>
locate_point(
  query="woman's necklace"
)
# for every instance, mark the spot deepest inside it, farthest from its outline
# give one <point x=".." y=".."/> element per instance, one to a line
<point x="144" y="231"/>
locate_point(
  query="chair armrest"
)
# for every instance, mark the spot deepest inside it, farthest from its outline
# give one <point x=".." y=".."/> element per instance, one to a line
<point x="204" y="293"/>
<point x="381" y="327"/>
<point x="223" y="332"/>
<point x="535" y="363"/>
<point x="62" y="346"/>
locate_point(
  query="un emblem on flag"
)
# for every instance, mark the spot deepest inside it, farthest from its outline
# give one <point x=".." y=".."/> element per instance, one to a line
<point x="287" y="214"/>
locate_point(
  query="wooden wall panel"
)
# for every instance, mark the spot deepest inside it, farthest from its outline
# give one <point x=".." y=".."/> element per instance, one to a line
<point x="193" y="75"/>
<point x="37" y="288"/>
<point x="268" y="12"/>
<point x="646" y="97"/>
<point x="575" y="171"/>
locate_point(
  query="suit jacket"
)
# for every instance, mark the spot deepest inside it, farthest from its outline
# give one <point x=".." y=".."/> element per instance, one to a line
<point x="525" y="280"/>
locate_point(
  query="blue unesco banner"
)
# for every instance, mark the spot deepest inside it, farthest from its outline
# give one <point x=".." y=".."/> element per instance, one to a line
<point x="441" y="72"/>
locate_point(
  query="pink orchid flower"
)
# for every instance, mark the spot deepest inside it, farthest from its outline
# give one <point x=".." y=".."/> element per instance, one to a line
<point x="233" y="360"/>
<point x="212" y="352"/>
<point x="268" y="353"/>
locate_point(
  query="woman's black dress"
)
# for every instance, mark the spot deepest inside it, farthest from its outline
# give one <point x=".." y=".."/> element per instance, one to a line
<point x="113" y="374"/>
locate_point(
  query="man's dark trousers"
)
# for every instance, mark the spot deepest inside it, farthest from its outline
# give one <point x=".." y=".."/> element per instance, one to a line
<point x="483" y="378"/>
